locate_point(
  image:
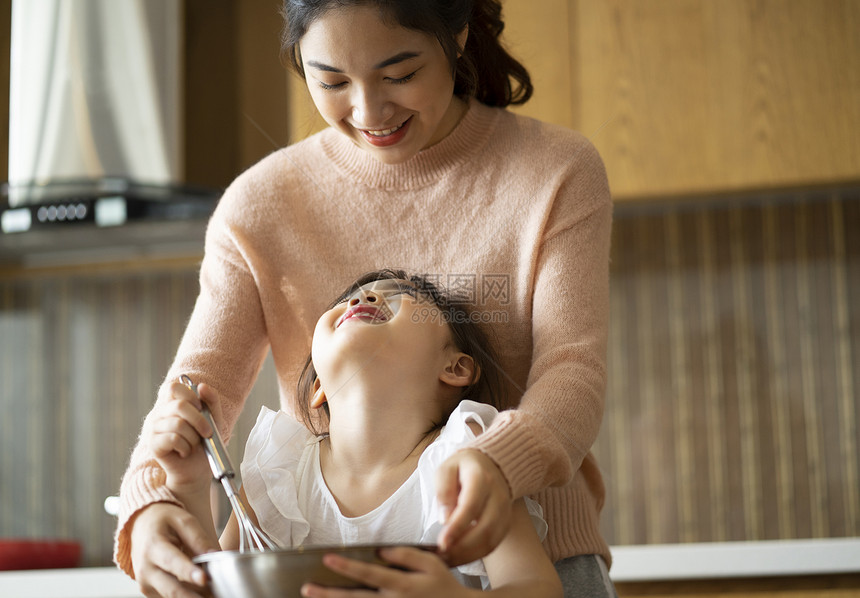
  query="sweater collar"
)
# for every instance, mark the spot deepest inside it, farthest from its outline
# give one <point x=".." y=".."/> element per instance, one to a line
<point x="470" y="134"/>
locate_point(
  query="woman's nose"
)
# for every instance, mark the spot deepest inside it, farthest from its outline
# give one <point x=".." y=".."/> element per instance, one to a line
<point x="370" y="108"/>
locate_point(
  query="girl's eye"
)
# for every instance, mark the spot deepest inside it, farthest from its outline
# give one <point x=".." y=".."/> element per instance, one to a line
<point x="406" y="291"/>
<point x="399" y="80"/>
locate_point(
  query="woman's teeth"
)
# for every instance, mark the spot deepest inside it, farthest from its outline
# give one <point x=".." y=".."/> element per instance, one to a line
<point x="384" y="132"/>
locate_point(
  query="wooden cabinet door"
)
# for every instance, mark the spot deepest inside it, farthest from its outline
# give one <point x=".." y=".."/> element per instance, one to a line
<point x="694" y="96"/>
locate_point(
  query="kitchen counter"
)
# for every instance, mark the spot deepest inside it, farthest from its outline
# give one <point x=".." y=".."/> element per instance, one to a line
<point x="631" y="564"/>
<point x="669" y="562"/>
<point x="97" y="582"/>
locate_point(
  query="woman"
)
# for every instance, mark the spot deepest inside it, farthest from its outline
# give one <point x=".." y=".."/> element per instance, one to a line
<point x="421" y="168"/>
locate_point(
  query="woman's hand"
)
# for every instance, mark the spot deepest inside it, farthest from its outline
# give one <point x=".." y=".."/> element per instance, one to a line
<point x="161" y="536"/>
<point x="475" y="496"/>
<point x="425" y="576"/>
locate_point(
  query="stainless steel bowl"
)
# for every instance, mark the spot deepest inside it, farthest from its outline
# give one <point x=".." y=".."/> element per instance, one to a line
<point x="279" y="573"/>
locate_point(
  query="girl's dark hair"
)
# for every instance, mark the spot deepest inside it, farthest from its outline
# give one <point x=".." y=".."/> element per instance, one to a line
<point x="466" y="334"/>
<point x="485" y="70"/>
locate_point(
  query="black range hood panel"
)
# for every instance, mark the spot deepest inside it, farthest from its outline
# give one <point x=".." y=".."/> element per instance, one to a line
<point x="75" y="221"/>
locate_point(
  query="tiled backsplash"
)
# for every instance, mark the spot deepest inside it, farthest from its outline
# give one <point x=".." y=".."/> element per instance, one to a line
<point x="734" y="372"/>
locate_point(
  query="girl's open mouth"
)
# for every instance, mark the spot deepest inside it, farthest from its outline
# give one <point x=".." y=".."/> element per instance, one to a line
<point x="386" y="137"/>
<point x="366" y="313"/>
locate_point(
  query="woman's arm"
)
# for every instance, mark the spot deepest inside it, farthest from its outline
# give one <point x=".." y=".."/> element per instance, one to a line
<point x="162" y="535"/>
<point x="544" y="440"/>
<point x="223" y="345"/>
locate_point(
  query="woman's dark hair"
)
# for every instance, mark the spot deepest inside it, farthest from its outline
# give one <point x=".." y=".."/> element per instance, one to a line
<point x="466" y="334"/>
<point x="485" y="70"/>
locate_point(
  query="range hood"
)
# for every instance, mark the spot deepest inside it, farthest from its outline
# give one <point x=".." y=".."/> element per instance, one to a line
<point x="95" y="133"/>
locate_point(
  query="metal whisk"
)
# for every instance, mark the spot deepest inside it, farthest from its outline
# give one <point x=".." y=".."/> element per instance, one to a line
<point x="251" y="537"/>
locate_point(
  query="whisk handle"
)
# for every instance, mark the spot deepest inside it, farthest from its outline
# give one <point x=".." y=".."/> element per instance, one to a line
<point x="219" y="460"/>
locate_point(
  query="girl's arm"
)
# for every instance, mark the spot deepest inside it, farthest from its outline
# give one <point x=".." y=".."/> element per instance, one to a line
<point x="520" y="565"/>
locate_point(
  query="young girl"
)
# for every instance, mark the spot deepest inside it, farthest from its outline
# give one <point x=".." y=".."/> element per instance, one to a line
<point x="395" y="376"/>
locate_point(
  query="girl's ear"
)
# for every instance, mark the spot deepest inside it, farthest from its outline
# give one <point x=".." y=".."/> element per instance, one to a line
<point x="318" y="399"/>
<point x="460" y="370"/>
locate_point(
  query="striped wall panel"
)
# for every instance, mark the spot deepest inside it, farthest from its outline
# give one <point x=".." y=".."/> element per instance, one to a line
<point x="734" y="372"/>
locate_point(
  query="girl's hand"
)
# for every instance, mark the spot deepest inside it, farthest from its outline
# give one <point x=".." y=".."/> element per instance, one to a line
<point x="174" y="435"/>
<point x="426" y="576"/>
<point x="473" y="491"/>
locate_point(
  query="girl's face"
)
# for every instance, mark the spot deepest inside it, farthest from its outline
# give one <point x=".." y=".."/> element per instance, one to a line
<point x="388" y="327"/>
<point x="388" y="88"/>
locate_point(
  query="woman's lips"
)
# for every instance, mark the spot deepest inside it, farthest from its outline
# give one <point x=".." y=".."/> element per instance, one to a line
<point x="363" y="312"/>
<point x="386" y="137"/>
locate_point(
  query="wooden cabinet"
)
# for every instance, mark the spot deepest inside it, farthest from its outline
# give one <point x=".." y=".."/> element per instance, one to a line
<point x="236" y="88"/>
<point x="680" y="96"/>
<point x="692" y="96"/>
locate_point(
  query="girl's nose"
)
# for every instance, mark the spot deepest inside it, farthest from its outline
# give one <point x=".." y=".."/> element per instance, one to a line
<point x="368" y="297"/>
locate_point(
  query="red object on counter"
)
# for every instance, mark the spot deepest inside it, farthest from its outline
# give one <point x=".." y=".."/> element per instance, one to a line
<point x="16" y="554"/>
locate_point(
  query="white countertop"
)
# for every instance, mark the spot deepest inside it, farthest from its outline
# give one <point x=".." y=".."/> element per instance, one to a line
<point x="97" y="582"/>
<point x="664" y="562"/>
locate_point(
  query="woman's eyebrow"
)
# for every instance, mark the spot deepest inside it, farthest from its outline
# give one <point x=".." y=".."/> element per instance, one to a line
<point x="323" y="67"/>
<point x="397" y="58"/>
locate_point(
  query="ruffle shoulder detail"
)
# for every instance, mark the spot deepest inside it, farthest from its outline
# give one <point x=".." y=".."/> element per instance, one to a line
<point x="275" y="454"/>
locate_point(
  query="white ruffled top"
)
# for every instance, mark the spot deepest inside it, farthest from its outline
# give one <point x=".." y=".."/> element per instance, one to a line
<point x="283" y="481"/>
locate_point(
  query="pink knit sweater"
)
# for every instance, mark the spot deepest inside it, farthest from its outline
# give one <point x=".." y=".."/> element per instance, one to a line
<point x="513" y="212"/>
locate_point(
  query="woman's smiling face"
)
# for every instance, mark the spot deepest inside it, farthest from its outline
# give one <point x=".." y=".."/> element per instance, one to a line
<point x="388" y="88"/>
